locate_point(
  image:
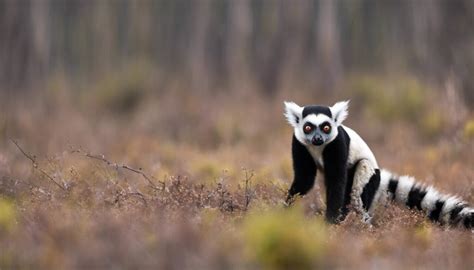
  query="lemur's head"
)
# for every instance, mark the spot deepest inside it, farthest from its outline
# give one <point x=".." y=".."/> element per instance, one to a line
<point x="316" y="125"/>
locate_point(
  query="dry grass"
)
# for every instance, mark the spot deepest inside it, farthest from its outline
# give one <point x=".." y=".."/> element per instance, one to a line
<point x="186" y="183"/>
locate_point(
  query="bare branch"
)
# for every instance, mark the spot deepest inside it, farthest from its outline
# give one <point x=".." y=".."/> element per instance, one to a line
<point x="123" y="166"/>
<point x="248" y="193"/>
<point x="35" y="165"/>
<point x="139" y="195"/>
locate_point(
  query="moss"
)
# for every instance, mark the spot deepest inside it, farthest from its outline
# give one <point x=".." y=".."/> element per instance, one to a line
<point x="469" y="129"/>
<point x="433" y="154"/>
<point x="432" y="124"/>
<point x="423" y="235"/>
<point x="285" y="239"/>
<point x="7" y="215"/>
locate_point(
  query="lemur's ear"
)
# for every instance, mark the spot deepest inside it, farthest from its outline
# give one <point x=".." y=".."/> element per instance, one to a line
<point x="293" y="113"/>
<point x="340" y="111"/>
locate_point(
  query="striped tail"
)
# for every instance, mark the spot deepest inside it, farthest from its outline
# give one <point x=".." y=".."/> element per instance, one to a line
<point x="442" y="208"/>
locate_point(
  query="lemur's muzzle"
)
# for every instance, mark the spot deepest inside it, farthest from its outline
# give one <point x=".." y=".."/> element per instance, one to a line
<point x="317" y="140"/>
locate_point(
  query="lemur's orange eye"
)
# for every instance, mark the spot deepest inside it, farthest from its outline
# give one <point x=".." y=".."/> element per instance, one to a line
<point x="308" y="129"/>
<point x="327" y="129"/>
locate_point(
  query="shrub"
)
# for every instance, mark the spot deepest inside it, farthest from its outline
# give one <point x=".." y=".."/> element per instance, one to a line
<point x="209" y="170"/>
<point x="390" y="99"/>
<point x="7" y="215"/>
<point x="122" y="91"/>
<point x="432" y="124"/>
<point x="469" y="129"/>
<point x="399" y="99"/>
<point x="285" y="239"/>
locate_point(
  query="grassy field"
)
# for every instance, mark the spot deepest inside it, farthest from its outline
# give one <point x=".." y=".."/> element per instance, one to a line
<point x="183" y="181"/>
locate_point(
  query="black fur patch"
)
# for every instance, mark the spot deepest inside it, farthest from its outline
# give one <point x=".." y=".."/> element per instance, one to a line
<point x="453" y="217"/>
<point x="335" y="156"/>
<point x="435" y="213"/>
<point x="415" y="197"/>
<point x="469" y="221"/>
<point x="392" y="187"/>
<point x="304" y="170"/>
<point x="351" y="171"/>
<point x="368" y="193"/>
<point x="315" y="109"/>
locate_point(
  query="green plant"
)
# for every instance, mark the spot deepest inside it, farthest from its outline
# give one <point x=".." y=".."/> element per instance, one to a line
<point x="390" y="99"/>
<point x="469" y="129"/>
<point x="7" y="215"/>
<point x="285" y="239"/>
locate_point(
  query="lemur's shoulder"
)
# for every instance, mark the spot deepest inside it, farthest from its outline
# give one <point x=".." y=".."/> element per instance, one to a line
<point x="358" y="148"/>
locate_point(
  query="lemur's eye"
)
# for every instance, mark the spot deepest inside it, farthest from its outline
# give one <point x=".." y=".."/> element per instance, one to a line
<point x="326" y="129"/>
<point x="307" y="129"/>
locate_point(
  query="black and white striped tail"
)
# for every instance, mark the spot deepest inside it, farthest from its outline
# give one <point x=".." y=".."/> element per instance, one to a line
<point x="442" y="208"/>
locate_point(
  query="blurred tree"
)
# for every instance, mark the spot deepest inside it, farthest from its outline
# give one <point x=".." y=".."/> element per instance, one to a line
<point x="218" y="44"/>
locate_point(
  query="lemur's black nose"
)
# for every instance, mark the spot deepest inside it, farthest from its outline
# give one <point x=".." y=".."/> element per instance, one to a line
<point x="317" y="140"/>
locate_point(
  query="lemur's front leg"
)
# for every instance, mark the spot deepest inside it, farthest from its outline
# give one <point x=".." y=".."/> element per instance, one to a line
<point x="335" y="156"/>
<point x="304" y="168"/>
<point x="335" y="182"/>
<point x="364" y="188"/>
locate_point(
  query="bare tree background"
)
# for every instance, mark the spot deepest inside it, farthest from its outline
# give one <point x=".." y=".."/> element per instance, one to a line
<point x="212" y="44"/>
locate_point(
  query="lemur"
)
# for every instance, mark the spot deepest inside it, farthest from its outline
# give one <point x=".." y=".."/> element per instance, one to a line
<point x="351" y="174"/>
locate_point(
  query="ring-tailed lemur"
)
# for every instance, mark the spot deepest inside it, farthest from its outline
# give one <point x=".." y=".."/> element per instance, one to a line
<point x="351" y="173"/>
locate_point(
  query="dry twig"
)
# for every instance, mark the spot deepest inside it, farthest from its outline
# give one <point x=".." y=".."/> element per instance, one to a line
<point x="123" y="166"/>
<point x="36" y="166"/>
<point x="248" y="193"/>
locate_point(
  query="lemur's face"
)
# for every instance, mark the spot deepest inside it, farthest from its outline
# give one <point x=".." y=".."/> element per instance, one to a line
<point x="316" y="126"/>
<point x="317" y="129"/>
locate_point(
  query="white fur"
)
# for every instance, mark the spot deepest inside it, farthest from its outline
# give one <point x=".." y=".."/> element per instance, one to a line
<point x="317" y="153"/>
<point x="358" y="149"/>
<point x="450" y="203"/>
<point x="381" y="197"/>
<point x="292" y="113"/>
<point x="405" y="183"/>
<point x="466" y="211"/>
<point x="364" y="172"/>
<point x="385" y="176"/>
<point x="428" y="203"/>
<point x="340" y="111"/>
<point x="318" y="119"/>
